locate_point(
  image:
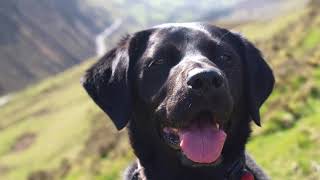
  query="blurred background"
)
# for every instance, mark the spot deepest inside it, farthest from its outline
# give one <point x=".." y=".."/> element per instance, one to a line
<point x="50" y="129"/>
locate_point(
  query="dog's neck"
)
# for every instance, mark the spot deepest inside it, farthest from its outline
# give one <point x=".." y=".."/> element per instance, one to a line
<point x="225" y="170"/>
<point x="236" y="170"/>
<point x="161" y="163"/>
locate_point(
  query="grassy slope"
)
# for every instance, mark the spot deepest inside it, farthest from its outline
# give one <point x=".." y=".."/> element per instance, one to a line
<point x="60" y="114"/>
<point x="287" y="145"/>
<point x="55" y="112"/>
<point x="69" y="130"/>
<point x="75" y="141"/>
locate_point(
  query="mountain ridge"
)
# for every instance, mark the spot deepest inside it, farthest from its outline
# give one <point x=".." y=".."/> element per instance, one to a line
<point x="40" y="38"/>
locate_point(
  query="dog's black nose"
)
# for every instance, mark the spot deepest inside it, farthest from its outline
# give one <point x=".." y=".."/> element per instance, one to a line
<point x="204" y="80"/>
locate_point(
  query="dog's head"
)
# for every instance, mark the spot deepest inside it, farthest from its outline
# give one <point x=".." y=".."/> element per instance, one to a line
<point x="190" y="80"/>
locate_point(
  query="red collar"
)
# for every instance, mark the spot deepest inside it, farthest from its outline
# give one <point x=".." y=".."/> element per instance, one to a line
<point x="239" y="171"/>
<point x="246" y="175"/>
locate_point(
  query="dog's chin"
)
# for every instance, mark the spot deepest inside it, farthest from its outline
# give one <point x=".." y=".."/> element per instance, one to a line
<point x="189" y="163"/>
<point x="199" y="141"/>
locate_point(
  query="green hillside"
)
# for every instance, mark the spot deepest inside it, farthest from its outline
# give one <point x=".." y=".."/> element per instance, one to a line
<point x="54" y="131"/>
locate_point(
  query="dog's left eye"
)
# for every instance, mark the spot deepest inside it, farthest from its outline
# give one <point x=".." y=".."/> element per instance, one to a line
<point x="225" y="60"/>
<point x="225" y="57"/>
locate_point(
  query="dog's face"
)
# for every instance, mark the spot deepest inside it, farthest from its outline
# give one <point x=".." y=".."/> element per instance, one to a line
<point x="190" y="79"/>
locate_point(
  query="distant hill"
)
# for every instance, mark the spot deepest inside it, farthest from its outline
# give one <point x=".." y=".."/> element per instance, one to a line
<point x="248" y="10"/>
<point x="40" y="38"/>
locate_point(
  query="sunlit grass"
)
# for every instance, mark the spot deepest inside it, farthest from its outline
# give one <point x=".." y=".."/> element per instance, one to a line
<point x="312" y="39"/>
<point x="56" y="111"/>
<point x="266" y="29"/>
<point x="292" y="153"/>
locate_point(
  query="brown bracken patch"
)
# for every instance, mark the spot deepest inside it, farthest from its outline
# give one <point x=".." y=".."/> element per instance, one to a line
<point x="23" y="142"/>
<point x="3" y="169"/>
<point x="40" y="175"/>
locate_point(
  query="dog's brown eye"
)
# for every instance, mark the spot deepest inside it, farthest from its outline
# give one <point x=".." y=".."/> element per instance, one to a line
<point x="159" y="62"/>
<point x="225" y="60"/>
<point x="155" y="62"/>
<point x="225" y="57"/>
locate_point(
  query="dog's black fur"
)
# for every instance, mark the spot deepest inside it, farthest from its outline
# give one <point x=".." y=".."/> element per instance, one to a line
<point x="142" y="84"/>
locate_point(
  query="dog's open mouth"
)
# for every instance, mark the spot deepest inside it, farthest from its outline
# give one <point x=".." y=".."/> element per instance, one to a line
<point x="201" y="141"/>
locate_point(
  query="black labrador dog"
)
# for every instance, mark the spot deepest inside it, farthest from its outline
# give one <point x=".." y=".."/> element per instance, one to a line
<point x="187" y="93"/>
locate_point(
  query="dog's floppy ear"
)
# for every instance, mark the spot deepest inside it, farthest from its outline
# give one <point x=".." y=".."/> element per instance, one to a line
<point x="108" y="81"/>
<point x="259" y="79"/>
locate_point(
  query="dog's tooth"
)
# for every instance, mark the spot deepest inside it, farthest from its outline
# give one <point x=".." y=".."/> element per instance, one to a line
<point x="166" y="130"/>
<point x="175" y="130"/>
<point x="170" y="130"/>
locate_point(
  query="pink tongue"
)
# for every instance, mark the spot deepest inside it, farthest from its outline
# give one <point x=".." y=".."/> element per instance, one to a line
<point x="202" y="145"/>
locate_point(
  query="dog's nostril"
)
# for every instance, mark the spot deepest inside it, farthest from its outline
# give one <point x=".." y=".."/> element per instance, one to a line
<point x="217" y="81"/>
<point x="197" y="84"/>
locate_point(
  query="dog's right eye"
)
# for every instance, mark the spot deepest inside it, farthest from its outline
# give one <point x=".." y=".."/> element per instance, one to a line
<point x="167" y="54"/>
<point x="155" y="62"/>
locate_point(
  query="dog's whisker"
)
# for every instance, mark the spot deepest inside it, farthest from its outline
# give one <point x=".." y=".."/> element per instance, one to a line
<point x="223" y="35"/>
